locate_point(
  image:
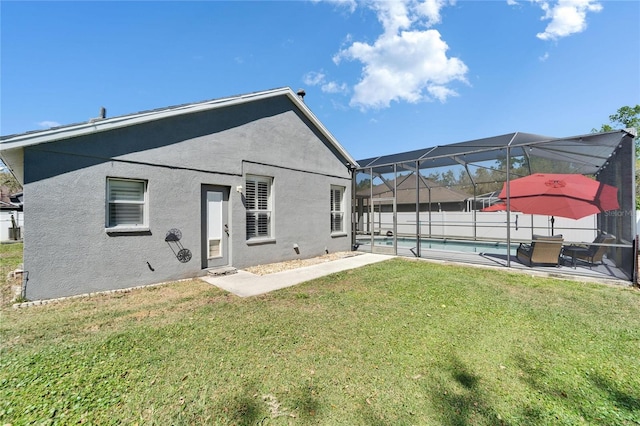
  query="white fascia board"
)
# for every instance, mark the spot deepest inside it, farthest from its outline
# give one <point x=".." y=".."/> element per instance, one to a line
<point x="11" y="148"/>
<point x="101" y="125"/>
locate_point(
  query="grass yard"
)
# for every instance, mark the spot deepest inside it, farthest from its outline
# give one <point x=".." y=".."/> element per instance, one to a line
<point x="10" y="259"/>
<point x="401" y="342"/>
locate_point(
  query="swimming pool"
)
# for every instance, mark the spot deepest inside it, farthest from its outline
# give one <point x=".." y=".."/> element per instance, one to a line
<point x="497" y="247"/>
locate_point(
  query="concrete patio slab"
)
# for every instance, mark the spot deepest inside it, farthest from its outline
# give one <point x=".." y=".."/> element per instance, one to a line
<point x="246" y="284"/>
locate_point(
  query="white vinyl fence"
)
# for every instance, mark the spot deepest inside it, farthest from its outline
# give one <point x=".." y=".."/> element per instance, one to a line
<point x="490" y="226"/>
<point x="6" y="223"/>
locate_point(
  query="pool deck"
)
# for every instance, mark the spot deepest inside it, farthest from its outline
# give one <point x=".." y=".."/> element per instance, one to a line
<point x="604" y="273"/>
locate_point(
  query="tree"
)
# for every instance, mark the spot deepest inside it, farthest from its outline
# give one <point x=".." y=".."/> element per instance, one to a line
<point x="627" y="117"/>
<point x="362" y="184"/>
<point x="9" y="182"/>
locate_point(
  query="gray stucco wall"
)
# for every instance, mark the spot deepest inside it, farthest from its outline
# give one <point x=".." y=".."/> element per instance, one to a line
<point x="68" y="251"/>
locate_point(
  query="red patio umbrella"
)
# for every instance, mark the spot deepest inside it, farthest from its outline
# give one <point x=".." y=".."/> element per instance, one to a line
<point x="497" y="207"/>
<point x="566" y="195"/>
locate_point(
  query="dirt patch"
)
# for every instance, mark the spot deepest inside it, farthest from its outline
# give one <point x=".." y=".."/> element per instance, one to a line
<point x="299" y="263"/>
<point x="10" y="288"/>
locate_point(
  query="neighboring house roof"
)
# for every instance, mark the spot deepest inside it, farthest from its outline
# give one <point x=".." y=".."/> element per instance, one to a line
<point x="406" y="192"/>
<point x="12" y="146"/>
<point x="438" y="194"/>
<point x="17" y="199"/>
<point x="7" y="202"/>
<point x="8" y="206"/>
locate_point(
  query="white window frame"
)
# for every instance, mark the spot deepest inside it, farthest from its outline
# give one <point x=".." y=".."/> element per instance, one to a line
<point x="141" y="224"/>
<point x="259" y="207"/>
<point x="337" y="209"/>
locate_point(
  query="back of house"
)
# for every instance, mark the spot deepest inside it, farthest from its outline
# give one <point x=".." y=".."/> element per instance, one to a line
<point x="168" y="194"/>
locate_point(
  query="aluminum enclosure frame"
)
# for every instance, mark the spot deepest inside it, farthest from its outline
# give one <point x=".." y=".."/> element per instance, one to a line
<point x="607" y="156"/>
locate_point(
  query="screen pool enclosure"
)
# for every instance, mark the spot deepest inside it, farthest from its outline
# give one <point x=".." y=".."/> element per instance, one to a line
<point x="452" y="192"/>
<point x="465" y="246"/>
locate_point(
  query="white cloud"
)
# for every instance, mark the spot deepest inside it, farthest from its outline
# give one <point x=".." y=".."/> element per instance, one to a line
<point x="313" y="78"/>
<point x="567" y="17"/>
<point x="544" y="57"/>
<point x="333" y="87"/>
<point x="393" y="15"/>
<point x="431" y="10"/>
<point x="406" y="63"/>
<point x="349" y="4"/>
<point x="48" y="124"/>
<point x="512" y="3"/>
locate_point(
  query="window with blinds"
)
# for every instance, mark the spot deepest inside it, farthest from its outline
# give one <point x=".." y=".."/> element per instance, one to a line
<point x="258" y="204"/>
<point x="337" y="209"/>
<point x="126" y="199"/>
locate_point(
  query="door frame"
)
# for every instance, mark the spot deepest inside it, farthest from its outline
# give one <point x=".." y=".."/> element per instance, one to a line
<point x="225" y="258"/>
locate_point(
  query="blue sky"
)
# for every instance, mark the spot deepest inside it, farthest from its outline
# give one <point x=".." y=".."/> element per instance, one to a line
<point x="383" y="77"/>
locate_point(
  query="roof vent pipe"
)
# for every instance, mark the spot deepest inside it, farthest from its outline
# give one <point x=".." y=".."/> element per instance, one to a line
<point x="301" y="94"/>
<point x="102" y="116"/>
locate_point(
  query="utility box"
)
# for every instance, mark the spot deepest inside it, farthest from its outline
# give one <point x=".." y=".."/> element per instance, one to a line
<point x="14" y="234"/>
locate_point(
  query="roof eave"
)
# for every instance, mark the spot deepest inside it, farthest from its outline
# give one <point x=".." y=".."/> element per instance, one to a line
<point x="14" y="160"/>
<point x="101" y="125"/>
<point x="12" y="147"/>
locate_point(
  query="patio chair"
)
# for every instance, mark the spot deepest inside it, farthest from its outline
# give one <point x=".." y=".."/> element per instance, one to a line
<point x="595" y="251"/>
<point x="542" y="250"/>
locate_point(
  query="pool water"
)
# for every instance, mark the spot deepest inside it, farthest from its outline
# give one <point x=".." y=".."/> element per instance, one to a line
<point x="452" y="245"/>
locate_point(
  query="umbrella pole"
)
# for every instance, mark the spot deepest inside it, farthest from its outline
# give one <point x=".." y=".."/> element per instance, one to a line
<point x="553" y="220"/>
<point x="508" y="188"/>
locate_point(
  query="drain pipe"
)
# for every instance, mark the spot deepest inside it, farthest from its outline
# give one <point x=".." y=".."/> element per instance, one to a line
<point x="25" y="279"/>
<point x="418" y="224"/>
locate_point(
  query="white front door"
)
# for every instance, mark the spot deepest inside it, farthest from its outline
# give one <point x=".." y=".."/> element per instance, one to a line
<point x="215" y="247"/>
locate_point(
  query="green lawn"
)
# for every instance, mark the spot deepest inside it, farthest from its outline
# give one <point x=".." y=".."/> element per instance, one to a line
<point x="401" y="342"/>
<point x="10" y="259"/>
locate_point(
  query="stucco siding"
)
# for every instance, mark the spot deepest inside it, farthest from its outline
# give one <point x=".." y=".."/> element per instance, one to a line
<point x="68" y="250"/>
<point x="301" y="208"/>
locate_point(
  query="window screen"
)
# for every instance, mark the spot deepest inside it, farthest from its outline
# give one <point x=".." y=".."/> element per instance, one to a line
<point x="126" y="202"/>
